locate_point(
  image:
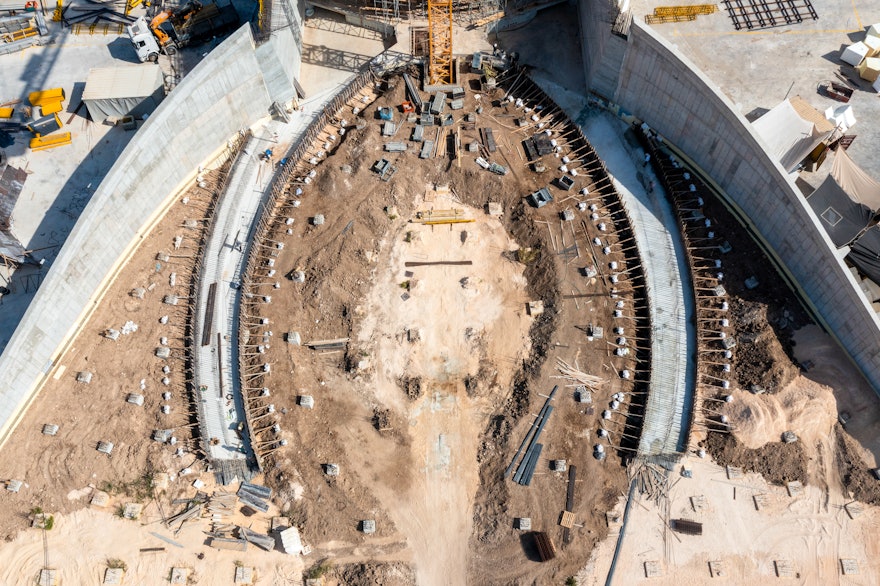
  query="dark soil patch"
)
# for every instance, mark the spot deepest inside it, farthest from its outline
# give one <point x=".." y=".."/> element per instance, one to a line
<point x="779" y="463"/>
<point x="855" y="474"/>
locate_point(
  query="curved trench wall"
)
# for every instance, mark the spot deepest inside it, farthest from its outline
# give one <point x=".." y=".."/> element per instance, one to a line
<point x="225" y="93"/>
<point x="661" y="87"/>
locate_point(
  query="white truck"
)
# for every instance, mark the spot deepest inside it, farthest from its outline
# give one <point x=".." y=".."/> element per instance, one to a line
<point x="144" y="42"/>
<point x="171" y="30"/>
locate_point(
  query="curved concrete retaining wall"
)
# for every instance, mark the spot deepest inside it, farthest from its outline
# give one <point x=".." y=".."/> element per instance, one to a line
<point x="663" y="88"/>
<point x="226" y="92"/>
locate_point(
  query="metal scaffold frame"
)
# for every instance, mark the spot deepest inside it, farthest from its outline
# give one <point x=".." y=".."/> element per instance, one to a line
<point x="440" y="48"/>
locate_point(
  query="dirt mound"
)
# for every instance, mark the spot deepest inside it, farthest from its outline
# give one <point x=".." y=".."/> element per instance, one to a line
<point x="761" y="359"/>
<point x="373" y="573"/>
<point x="777" y="462"/>
<point x="803" y="406"/>
<point x="856" y="476"/>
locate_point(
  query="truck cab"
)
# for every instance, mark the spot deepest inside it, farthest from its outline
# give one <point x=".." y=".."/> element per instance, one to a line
<point x="144" y="42"/>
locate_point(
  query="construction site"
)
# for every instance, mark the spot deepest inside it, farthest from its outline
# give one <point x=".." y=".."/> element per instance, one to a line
<point x="442" y="292"/>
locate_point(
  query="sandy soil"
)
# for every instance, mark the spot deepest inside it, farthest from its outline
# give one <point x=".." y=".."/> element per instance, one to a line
<point x="435" y="387"/>
<point x="52" y="467"/>
<point x="470" y="320"/>
<point x="426" y="405"/>
<point x="82" y="543"/>
<point x="811" y="531"/>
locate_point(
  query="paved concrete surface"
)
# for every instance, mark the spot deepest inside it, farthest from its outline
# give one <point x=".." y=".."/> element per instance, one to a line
<point x="757" y="69"/>
<point x="60" y="181"/>
<point x="550" y="46"/>
<point x="333" y="50"/>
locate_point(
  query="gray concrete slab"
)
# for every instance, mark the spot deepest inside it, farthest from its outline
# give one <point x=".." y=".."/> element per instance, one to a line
<point x="60" y="181"/>
<point x="757" y="69"/>
<point x="333" y="50"/>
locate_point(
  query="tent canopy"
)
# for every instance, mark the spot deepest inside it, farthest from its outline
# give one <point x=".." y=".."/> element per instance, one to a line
<point x="122" y="91"/>
<point x="791" y="130"/>
<point x="860" y="186"/>
<point x="865" y="253"/>
<point x="841" y="217"/>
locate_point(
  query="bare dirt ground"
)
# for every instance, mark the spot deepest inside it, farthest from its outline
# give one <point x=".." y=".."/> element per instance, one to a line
<point x="63" y="473"/>
<point x="439" y="382"/>
<point x="443" y="363"/>
<point x="751" y="530"/>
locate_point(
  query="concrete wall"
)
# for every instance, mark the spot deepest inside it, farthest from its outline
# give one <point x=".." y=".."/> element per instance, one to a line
<point x="280" y="57"/>
<point x="660" y="86"/>
<point x="595" y="25"/>
<point x="223" y="94"/>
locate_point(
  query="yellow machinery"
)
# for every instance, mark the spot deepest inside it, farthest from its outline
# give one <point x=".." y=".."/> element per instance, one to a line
<point x="174" y="19"/>
<point x="132" y="4"/>
<point x="59" y="11"/>
<point x="440" y="46"/>
<point x="41" y="143"/>
<point x="155" y="26"/>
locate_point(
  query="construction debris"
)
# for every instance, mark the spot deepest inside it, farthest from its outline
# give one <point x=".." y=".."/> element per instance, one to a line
<point x="576" y="376"/>
<point x="291" y="542"/>
<point x="526" y="469"/>
<point x="261" y="540"/>
<point x="255" y="496"/>
<point x="545" y="546"/>
<point x="132" y="511"/>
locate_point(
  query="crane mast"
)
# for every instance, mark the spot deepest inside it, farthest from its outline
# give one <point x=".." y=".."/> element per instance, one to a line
<point x="440" y="47"/>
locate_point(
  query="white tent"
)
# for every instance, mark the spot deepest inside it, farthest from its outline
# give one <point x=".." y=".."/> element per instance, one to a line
<point x="854" y="53"/>
<point x="121" y="91"/>
<point x="791" y="130"/>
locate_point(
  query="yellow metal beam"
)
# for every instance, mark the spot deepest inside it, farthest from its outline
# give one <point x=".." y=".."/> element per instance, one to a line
<point x="663" y="19"/>
<point x="448" y="221"/>
<point x="686" y="10"/>
<point x="440" y="42"/>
